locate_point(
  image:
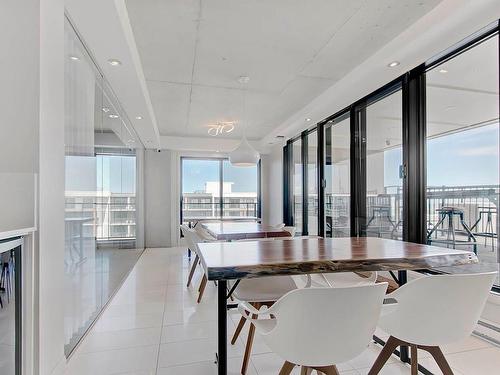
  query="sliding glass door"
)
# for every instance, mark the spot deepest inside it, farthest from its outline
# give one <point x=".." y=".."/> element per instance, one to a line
<point x="381" y="167"/>
<point x="337" y="175"/>
<point x="463" y="154"/>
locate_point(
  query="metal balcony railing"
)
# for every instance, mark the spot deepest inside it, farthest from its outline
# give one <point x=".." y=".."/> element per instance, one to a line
<point x="212" y="210"/>
<point x="110" y="221"/>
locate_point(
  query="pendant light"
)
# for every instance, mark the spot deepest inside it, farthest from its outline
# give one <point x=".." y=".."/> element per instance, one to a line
<point x="244" y="155"/>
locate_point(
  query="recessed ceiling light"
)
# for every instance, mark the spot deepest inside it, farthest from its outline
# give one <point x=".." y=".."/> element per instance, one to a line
<point x="113" y="116"/>
<point x="114" y="62"/>
<point x="443" y="71"/>
<point x="393" y="64"/>
<point x="308" y="119"/>
<point x="450" y="108"/>
<point x="105" y="109"/>
<point x="243" y="79"/>
<point x="74" y="58"/>
<point x="138" y="117"/>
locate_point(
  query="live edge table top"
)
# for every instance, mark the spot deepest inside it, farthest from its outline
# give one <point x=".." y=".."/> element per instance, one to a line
<point x="242" y="230"/>
<point x="240" y="260"/>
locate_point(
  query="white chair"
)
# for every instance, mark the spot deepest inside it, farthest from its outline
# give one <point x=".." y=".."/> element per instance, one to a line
<point x="318" y="327"/>
<point x="290" y="230"/>
<point x="258" y="292"/>
<point x="278" y="226"/>
<point x="343" y="279"/>
<point x="203" y="233"/>
<point x="192" y="240"/>
<point x="430" y="312"/>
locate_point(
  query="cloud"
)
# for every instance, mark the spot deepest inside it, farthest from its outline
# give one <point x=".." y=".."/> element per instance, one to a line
<point x="480" y="151"/>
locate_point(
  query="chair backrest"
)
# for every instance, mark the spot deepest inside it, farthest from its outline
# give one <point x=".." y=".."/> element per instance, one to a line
<point x="437" y="310"/>
<point x="324" y="326"/>
<point x="191" y="238"/>
<point x="290" y="230"/>
<point x="202" y="233"/>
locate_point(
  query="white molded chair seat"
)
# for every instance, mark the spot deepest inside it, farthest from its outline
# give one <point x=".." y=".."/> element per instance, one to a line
<point x="319" y="327"/>
<point x="290" y="230"/>
<point x="263" y="289"/>
<point x="433" y="311"/>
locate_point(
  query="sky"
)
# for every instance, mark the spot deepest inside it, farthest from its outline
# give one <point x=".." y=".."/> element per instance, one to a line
<point x="464" y="158"/>
<point x="196" y="172"/>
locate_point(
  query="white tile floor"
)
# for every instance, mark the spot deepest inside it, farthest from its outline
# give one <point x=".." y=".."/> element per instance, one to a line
<point x="154" y="326"/>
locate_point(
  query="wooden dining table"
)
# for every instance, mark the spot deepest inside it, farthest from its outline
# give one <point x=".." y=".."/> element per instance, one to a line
<point x="224" y="261"/>
<point x="231" y="230"/>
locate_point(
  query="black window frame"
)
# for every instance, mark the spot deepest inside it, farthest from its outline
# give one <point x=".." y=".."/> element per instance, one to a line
<point x="413" y="86"/>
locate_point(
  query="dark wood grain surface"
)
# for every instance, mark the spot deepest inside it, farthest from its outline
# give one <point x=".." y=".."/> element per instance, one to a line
<point x="237" y="260"/>
<point x="226" y="231"/>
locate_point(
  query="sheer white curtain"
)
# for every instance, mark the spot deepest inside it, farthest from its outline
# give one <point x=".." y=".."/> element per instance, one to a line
<point x="175" y="189"/>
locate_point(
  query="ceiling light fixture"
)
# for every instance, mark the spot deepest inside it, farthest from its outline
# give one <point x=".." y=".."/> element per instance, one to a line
<point x="105" y="109"/>
<point x="114" y="62"/>
<point x="393" y="64"/>
<point x="138" y="117"/>
<point x="113" y="116"/>
<point x="308" y="119"/>
<point x="220" y="128"/>
<point x="444" y="71"/>
<point x="74" y="58"/>
<point x="244" y="155"/>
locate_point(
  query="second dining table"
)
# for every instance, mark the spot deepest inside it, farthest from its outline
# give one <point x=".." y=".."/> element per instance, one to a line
<point x="232" y="230"/>
<point x="223" y="261"/>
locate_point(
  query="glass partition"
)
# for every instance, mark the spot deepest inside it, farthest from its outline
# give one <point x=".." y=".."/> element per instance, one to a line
<point x="100" y="192"/>
<point x="463" y="154"/>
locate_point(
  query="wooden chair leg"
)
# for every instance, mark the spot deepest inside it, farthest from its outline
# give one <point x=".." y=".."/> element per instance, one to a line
<point x="389" y="347"/>
<point x="305" y="370"/>
<point x="414" y="359"/>
<point x="441" y="361"/>
<point x="240" y="326"/>
<point x="287" y="368"/>
<point x="248" y="347"/>
<point x="191" y="272"/>
<point x="328" y="370"/>
<point x="202" y="287"/>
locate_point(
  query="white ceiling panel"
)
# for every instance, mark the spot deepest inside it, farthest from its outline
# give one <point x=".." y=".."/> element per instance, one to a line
<point x="193" y="53"/>
<point x="171" y="105"/>
<point x="165" y="32"/>
<point x="374" y="25"/>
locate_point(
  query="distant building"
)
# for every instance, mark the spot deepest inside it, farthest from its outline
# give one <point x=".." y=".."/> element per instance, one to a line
<point x="207" y="203"/>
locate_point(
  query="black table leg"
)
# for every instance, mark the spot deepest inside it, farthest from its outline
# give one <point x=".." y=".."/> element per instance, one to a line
<point x="403" y="279"/>
<point x="222" y="327"/>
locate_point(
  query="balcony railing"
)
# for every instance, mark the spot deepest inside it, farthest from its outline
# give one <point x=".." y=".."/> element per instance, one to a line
<point x="110" y="221"/>
<point x="212" y="210"/>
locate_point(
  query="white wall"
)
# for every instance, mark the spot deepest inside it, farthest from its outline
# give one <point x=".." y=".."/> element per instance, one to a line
<point x="51" y="187"/>
<point x="272" y="186"/>
<point x="157" y="198"/>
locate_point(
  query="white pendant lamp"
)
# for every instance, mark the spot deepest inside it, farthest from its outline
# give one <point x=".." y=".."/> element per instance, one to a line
<point x="244" y="155"/>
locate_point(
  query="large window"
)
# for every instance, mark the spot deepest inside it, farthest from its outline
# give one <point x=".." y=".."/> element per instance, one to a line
<point x="312" y="183"/>
<point x="463" y="154"/>
<point x="215" y="189"/>
<point x="337" y="177"/>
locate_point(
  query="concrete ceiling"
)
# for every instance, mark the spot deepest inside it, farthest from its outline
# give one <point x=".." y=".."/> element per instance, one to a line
<point x="192" y="53"/>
